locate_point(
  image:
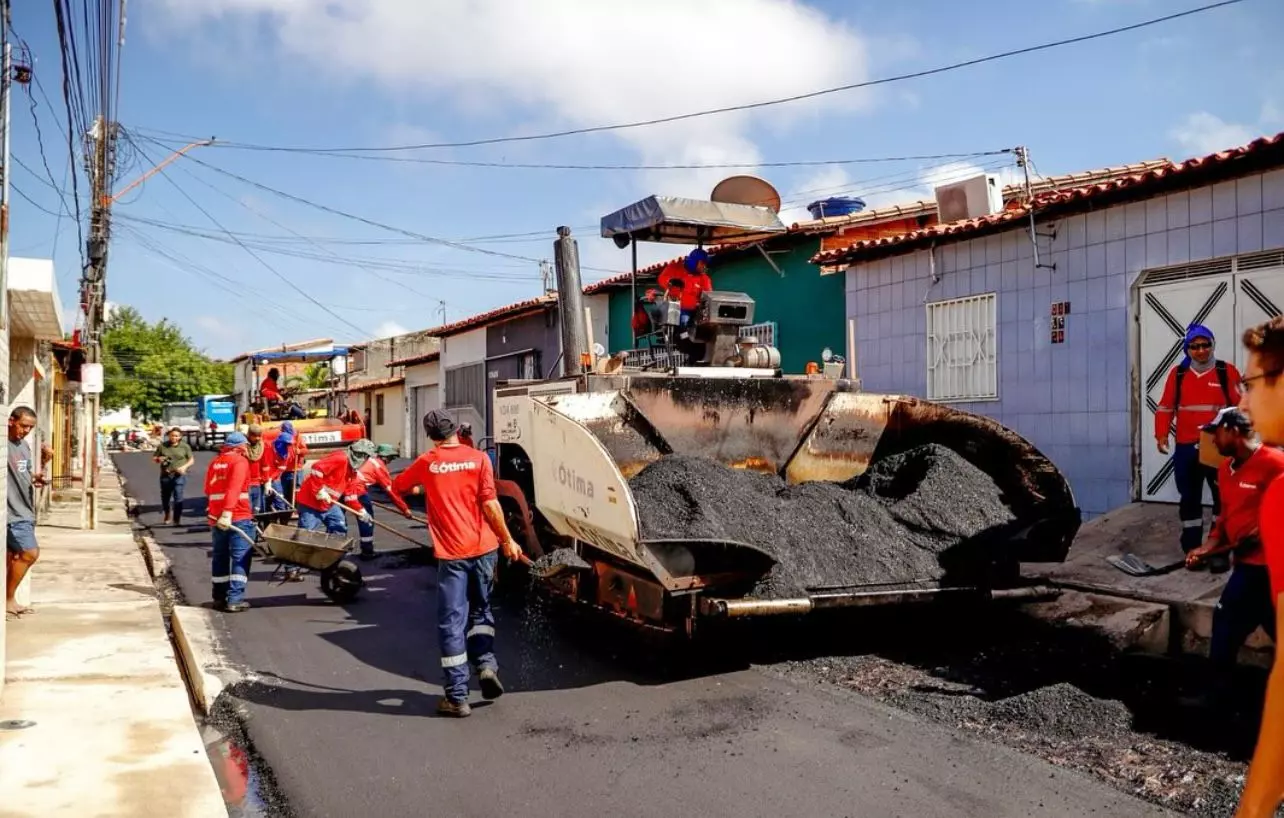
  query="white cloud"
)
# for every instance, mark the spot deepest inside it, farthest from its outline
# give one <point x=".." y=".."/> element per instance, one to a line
<point x="1202" y="133"/>
<point x="389" y="329"/>
<point x="570" y="63"/>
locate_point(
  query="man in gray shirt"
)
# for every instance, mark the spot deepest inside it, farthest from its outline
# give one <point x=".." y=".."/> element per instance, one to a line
<point x="23" y="480"/>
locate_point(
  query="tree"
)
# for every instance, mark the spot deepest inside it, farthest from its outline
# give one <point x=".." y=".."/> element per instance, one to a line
<point x="146" y="366"/>
<point x="316" y="376"/>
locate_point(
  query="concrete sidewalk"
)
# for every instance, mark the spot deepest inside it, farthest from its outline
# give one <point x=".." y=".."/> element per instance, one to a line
<point x="94" y="669"/>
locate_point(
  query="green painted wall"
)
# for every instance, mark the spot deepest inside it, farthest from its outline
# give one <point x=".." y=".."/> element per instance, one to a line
<point x="808" y="308"/>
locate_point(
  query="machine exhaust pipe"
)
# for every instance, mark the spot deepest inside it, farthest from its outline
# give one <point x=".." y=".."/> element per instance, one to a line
<point x="570" y="296"/>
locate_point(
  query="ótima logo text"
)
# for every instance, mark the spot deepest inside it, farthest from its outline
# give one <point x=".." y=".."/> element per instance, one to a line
<point x="450" y="468"/>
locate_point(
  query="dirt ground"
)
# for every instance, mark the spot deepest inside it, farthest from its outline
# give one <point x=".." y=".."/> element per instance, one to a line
<point x="1054" y="692"/>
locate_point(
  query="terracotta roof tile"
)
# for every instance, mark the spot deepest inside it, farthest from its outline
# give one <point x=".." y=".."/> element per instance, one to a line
<point x="382" y="383"/>
<point x="483" y="319"/>
<point x="425" y="358"/>
<point x="1150" y="180"/>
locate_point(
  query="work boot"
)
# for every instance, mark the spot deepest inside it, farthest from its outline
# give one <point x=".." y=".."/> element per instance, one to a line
<point x="235" y="607"/>
<point x="490" y="685"/>
<point x="455" y="710"/>
<point x="166" y="520"/>
<point x="366" y="556"/>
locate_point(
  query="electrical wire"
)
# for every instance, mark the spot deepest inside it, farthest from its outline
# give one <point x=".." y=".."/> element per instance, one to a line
<point x="284" y="279"/>
<point x="754" y="105"/>
<point x="31" y="201"/>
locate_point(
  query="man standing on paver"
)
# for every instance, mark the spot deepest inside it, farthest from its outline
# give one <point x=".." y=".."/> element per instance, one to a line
<point x="1264" y="402"/>
<point x="467" y="524"/>
<point x="227" y="487"/>
<point x="175" y="458"/>
<point x="1196" y="390"/>
<point x="21" y="549"/>
<point x="1242" y="480"/>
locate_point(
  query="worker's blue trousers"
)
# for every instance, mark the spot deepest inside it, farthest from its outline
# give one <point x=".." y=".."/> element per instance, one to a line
<point x="332" y="520"/>
<point x="365" y="530"/>
<point x="230" y="568"/>
<point x="1245" y="603"/>
<point x="465" y="623"/>
<point x="1191" y="475"/>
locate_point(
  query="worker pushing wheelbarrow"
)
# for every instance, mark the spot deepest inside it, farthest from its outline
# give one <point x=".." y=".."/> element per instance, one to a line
<point x="233" y="534"/>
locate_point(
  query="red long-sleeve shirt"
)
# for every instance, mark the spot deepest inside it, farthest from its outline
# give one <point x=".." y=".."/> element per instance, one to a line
<point x="1201" y="399"/>
<point x="371" y="473"/>
<point x="693" y="284"/>
<point x="331" y="472"/>
<point x="268" y="390"/>
<point x="227" y="486"/>
<point x="1242" y="492"/>
<point x="1271" y="520"/>
<point x="456" y="481"/>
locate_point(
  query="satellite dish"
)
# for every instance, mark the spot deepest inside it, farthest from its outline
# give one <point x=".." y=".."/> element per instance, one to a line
<point x="747" y="190"/>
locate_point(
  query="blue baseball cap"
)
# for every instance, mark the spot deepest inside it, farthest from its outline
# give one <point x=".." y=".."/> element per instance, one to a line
<point x="236" y="439"/>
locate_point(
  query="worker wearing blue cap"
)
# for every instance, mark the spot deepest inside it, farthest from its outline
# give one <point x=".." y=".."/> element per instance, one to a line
<point x="227" y="488"/>
<point x="690" y="279"/>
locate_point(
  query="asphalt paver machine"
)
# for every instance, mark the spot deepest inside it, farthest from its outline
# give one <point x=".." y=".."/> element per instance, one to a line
<point x="566" y="449"/>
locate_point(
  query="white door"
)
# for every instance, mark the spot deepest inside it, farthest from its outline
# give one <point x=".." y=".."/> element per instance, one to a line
<point x="425" y="401"/>
<point x="1166" y="311"/>
<point x="1257" y="295"/>
<point x="1226" y="304"/>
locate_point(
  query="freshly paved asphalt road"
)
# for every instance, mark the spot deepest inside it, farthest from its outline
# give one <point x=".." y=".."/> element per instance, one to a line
<point x="341" y="710"/>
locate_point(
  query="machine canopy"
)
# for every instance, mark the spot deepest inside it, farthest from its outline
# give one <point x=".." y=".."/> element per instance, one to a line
<point x="674" y="220"/>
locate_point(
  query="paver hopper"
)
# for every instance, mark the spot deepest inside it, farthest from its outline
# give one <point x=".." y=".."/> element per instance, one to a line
<point x="565" y="460"/>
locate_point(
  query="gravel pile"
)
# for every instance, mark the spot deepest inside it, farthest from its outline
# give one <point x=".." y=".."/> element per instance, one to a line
<point x="1061" y="711"/>
<point x="923" y="515"/>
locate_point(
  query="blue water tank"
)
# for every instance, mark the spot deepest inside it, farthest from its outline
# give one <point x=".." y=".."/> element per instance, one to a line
<point x="836" y="206"/>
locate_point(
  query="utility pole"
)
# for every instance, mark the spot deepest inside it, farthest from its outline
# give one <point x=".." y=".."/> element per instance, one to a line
<point x="100" y="155"/>
<point x="6" y="87"/>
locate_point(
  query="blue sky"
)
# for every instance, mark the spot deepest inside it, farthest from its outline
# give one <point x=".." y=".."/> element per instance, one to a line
<point x="382" y="72"/>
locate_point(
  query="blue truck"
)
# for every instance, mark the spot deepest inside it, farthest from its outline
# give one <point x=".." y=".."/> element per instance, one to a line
<point x="216" y="415"/>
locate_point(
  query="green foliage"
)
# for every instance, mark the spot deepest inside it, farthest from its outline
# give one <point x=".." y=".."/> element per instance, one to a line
<point x="316" y="376"/>
<point x="146" y="366"/>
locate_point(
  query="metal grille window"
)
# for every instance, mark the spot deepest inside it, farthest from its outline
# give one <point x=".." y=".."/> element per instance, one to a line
<point x="962" y="353"/>
<point x="379" y="409"/>
<point x="466" y="386"/>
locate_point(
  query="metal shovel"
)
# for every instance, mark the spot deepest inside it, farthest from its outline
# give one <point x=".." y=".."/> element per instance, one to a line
<point x="1135" y="566"/>
<point x="573" y="562"/>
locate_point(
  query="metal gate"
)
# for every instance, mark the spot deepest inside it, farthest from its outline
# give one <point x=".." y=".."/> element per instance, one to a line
<point x="1226" y="296"/>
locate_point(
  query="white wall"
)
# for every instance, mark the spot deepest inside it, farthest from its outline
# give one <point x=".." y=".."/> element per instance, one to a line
<point x="421" y="382"/>
<point x="392" y="430"/>
<point x="599" y="310"/>
<point x="423" y="374"/>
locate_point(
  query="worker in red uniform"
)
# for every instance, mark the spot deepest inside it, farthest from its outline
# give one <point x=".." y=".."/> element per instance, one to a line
<point x="1242" y="481"/>
<point x="325" y="483"/>
<point x="227" y="488"/>
<point x="291" y="453"/>
<point x="1264" y="402"/>
<point x="692" y="276"/>
<point x="373" y="472"/>
<point x="255" y="451"/>
<point x="270" y="389"/>
<point x="1196" y="390"/>
<point x="467" y="523"/>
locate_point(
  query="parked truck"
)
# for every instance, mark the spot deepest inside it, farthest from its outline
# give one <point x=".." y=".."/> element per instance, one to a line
<point x="216" y="415"/>
<point x="184" y="416"/>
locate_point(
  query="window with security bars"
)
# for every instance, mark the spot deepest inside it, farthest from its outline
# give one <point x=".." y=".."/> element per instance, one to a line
<point x="765" y="332"/>
<point x="530" y="366"/>
<point x="379" y="409"/>
<point x="466" y="386"/>
<point x="962" y="351"/>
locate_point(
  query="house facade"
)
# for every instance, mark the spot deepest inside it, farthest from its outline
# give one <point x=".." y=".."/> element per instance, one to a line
<point x="1066" y="332"/>
<point x="422" y="386"/>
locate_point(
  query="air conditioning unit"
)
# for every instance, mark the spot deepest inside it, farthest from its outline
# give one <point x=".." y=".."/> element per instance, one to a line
<point x="969" y="199"/>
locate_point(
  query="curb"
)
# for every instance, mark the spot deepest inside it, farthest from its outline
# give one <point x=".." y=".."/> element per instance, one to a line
<point x="201" y="658"/>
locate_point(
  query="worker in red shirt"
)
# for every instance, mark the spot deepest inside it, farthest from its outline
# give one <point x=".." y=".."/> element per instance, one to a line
<point x="373" y="472"/>
<point x="1242" y="481"/>
<point x="326" y="482"/>
<point x="1264" y="402"/>
<point x="467" y="524"/>
<point x="1196" y="390"/>
<point x="692" y="277"/>
<point x="270" y="389"/>
<point x="227" y="489"/>
<point x="292" y="453"/>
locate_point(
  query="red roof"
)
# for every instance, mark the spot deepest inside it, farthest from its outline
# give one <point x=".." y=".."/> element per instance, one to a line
<point x="1256" y="155"/>
<point x="507" y="313"/>
<point x="426" y="358"/>
<point x="383" y="383"/>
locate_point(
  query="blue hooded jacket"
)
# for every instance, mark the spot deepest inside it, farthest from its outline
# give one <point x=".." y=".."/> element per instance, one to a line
<point x="282" y="443"/>
<point x="695" y="257"/>
<point x="1192" y="332"/>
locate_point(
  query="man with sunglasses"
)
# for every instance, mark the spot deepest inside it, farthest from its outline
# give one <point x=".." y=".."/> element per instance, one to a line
<point x="1263" y="401"/>
<point x="1197" y="389"/>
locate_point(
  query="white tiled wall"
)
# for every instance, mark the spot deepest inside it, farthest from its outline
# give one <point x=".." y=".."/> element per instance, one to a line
<point x="1071" y="400"/>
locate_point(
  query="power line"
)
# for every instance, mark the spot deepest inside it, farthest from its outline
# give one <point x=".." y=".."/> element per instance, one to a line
<point x="32" y="202"/>
<point x="256" y="256"/>
<point x="754" y="105"/>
